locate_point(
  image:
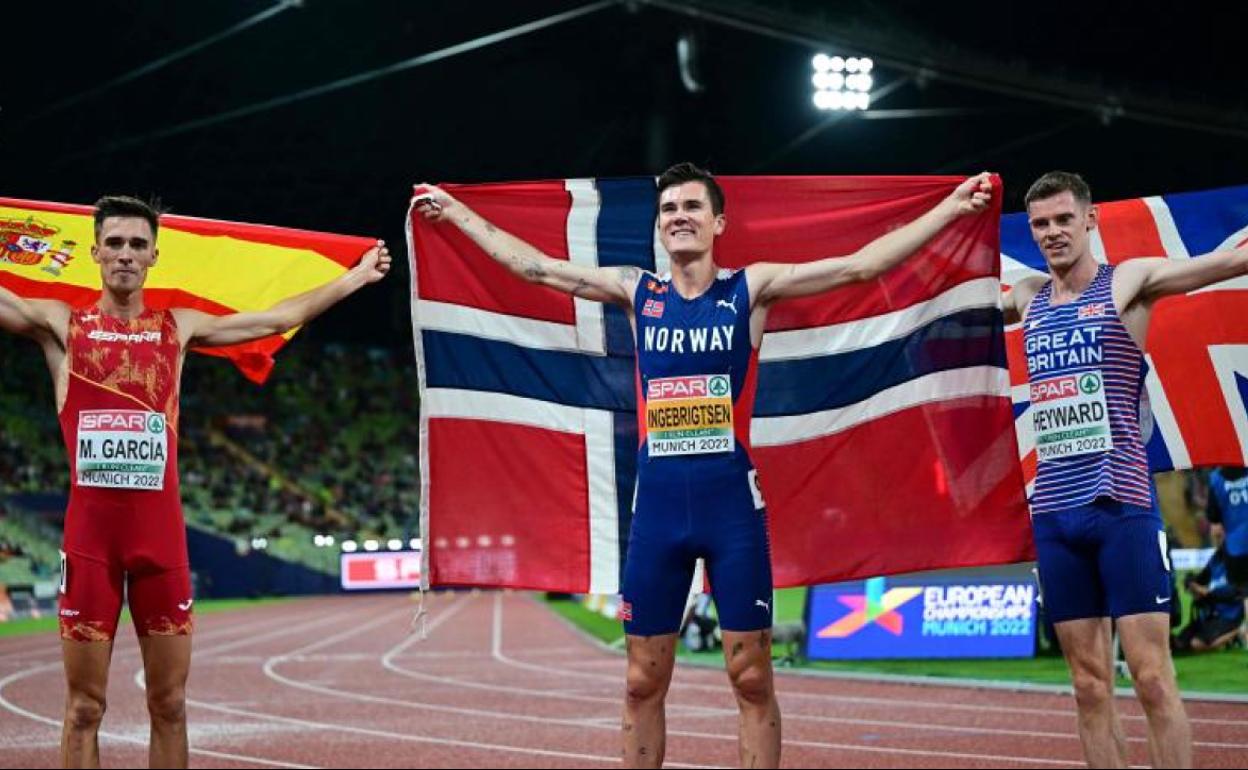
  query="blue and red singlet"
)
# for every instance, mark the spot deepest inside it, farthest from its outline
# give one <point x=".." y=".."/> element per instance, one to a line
<point x="1100" y="544"/>
<point x="124" y="526"/>
<point x="697" y="491"/>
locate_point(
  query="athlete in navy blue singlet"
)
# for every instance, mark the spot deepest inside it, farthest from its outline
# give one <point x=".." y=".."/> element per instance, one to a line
<point x="698" y="331"/>
<point x="1100" y="544"/>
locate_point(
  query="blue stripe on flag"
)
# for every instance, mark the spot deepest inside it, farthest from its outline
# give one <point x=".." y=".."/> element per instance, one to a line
<point x="964" y="339"/>
<point x="1016" y="242"/>
<point x="1205" y="219"/>
<point x="625" y="237"/>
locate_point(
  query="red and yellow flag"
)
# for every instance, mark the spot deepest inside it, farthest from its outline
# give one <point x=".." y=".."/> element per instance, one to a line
<point x="208" y="265"/>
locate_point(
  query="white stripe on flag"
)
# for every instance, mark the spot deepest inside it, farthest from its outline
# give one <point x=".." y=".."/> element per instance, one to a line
<point x="501" y="407"/>
<point x="446" y="317"/>
<point x="1227" y="361"/>
<point x="868" y="332"/>
<point x="604" y="512"/>
<point x="1097" y="246"/>
<point x="1164" y="420"/>
<point x="1014" y="271"/>
<point x="941" y="386"/>
<point x="1024" y="430"/>
<point x="1166" y="228"/>
<point x="582" y="234"/>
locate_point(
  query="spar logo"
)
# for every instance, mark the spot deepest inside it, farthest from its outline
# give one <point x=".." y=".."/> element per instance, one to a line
<point x="1090" y="383"/>
<point x="719" y="386"/>
<point x="679" y="387"/>
<point x="875" y="606"/>
<point x="1058" y="387"/>
<point x="123" y="420"/>
<point x="28" y="242"/>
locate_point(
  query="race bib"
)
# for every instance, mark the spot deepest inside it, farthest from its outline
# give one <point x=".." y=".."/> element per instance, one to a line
<point x="122" y="449"/>
<point x="1070" y="416"/>
<point x="689" y="415"/>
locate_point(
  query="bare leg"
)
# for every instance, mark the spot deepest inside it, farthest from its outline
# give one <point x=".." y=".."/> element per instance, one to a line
<point x="650" y="663"/>
<point x="747" y="655"/>
<point x="1145" y="642"/>
<point x="86" y="677"/>
<point x="1086" y="645"/>
<point x="166" y="664"/>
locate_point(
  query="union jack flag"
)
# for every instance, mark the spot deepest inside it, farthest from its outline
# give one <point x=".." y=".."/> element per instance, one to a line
<point x="882" y="431"/>
<point x="1197" y="348"/>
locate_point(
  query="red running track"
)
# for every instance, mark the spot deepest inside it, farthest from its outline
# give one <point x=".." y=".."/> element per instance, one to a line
<point x="502" y="682"/>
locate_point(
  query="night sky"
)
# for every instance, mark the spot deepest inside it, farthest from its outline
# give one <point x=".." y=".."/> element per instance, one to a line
<point x="1140" y="99"/>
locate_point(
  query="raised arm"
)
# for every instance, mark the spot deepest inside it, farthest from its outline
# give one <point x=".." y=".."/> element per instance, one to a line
<point x="770" y="282"/>
<point x="203" y="330"/>
<point x="1144" y="281"/>
<point x="615" y="285"/>
<point x="45" y="321"/>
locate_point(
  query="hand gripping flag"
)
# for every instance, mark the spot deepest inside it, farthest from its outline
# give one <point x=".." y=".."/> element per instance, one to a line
<point x="207" y="265"/>
<point x="882" y="430"/>
<point x="1197" y="347"/>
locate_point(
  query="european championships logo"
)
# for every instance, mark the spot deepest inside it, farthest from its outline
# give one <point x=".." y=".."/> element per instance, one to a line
<point x="875" y="606"/>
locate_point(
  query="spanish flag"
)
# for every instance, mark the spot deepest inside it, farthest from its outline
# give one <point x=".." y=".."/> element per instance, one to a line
<point x="208" y="265"/>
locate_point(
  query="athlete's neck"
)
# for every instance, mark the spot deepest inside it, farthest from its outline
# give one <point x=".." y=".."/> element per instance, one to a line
<point x="692" y="275"/>
<point x="1072" y="280"/>
<point x="122" y="306"/>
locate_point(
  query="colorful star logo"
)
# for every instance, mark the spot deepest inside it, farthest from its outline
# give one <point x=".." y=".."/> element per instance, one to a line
<point x="875" y="606"/>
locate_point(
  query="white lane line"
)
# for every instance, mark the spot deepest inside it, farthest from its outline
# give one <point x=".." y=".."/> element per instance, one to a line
<point x="408" y="737"/>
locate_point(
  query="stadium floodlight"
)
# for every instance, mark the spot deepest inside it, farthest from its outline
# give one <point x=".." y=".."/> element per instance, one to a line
<point x="259" y="543"/>
<point x="840" y="83"/>
<point x="394" y="544"/>
<point x="329" y="540"/>
<point x="349" y="546"/>
<point x="371" y="545"/>
<point x="414" y="544"/>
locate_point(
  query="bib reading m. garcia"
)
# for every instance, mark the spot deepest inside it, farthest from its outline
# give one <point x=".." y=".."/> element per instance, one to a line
<point x="122" y="449"/>
<point x="689" y="415"/>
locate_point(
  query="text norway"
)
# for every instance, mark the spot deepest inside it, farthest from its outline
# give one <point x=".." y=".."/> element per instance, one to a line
<point x="700" y="340"/>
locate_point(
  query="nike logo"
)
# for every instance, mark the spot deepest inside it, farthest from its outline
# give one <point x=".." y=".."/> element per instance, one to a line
<point x="1162" y="599"/>
<point x="186" y="605"/>
<point x="730" y="305"/>
<point x="763" y="604"/>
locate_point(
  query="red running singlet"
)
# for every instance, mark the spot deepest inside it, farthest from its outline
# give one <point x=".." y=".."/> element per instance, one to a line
<point x="124" y="526"/>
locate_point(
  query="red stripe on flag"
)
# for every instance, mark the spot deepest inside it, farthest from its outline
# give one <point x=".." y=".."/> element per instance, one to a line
<point x="1128" y="230"/>
<point x="981" y="520"/>
<point x="1016" y="356"/>
<point x="452" y="269"/>
<point x="1181" y="330"/>
<point x="512" y="506"/>
<point x="343" y="249"/>
<point x="765" y="212"/>
<point x="254" y="359"/>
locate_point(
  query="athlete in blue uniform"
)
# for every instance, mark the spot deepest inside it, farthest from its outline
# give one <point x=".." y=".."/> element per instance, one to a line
<point x="1228" y="513"/>
<point x="698" y="331"/>
<point x="1100" y="544"/>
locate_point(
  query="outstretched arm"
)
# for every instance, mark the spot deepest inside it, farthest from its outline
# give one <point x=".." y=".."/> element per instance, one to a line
<point x="204" y="330"/>
<point x="1148" y="280"/>
<point x="615" y="285"/>
<point x="770" y="282"/>
<point x="42" y="320"/>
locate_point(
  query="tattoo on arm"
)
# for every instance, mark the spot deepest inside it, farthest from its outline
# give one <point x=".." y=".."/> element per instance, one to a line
<point x="581" y="285"/>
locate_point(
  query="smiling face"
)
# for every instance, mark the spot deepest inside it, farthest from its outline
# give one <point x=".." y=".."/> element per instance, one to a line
<point x="687" y="222"/>
<point x="125" y="248"/>
<point x="1062" y="225"/>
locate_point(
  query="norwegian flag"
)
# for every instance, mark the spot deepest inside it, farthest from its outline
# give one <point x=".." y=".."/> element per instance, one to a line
<point x="882" y="430"/>
<point x="1197" y="347"/>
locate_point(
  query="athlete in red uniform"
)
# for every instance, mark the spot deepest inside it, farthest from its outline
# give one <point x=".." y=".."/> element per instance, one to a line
<point x="116" y="369"/>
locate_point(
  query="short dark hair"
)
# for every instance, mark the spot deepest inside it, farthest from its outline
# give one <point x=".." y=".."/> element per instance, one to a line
<point x="687" y="172"/>
<point x="127" y="206"/>
<point x="1056" y="183"/>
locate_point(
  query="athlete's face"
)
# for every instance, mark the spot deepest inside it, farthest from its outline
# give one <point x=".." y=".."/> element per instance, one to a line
<point x="125" y="248"/>
<point x="687" y="223"/>
<point x="1062" y="227"/>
